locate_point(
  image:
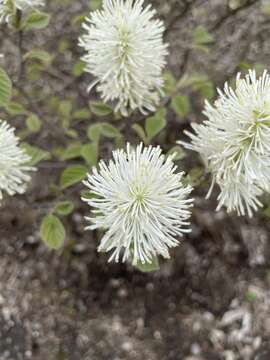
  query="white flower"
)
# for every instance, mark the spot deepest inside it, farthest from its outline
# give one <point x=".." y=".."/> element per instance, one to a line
<point x="26" y="4"/>
<point x="126" y="54"/>
<point x="234" y="142"/>
<point x="140" y="202"/>
<point x="13" y="171"/>
<point x="8" y="7"/>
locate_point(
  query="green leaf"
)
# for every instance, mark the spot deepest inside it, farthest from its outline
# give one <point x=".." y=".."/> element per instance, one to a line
<point x="87" y="195"/>
<point x="72" y="175"/>
<point x="266" y="211"/>
<point x="71" y="133"/>
<point x="194" y="80"/>
<point x="71" y="152"/>
<point x="251" y="296"/>
<point x="109" y="130"/>
<point x="198" y="82"/>
<point x="207" y="90"/>
<point x="36" y="20"/>
<point x="33" y="123"/>
<point x="64" y="208"/>
<point x="78" y="68"/>
<point x="36" y="154"/>
<point x="5" y="87"/>
<point x="195" y="176"/>
<point x="155" y="124"/>
<point x="65" y="108"/>
<point x="94" y="132"/>
<point x="140" y="131"/>
<point x="178" y="151"/>
<point x="90" y="153"/>
<point x="169" y="82"/>
<point x="149" y="267"/>
<point x="201" y="36"/>
<point x="14" y="108"/>
<point x="180" y="104"/>
<point x="105" y="129"/>
<point x="52" y="232"/>
<point x="100" y="109"/>
<point x="82" y="114"/>
<point x="41" y="55"/>
<point x="79" y="19"/>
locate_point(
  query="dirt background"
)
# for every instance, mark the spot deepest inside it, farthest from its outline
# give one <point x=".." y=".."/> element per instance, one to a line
<point x="210" y="302"/>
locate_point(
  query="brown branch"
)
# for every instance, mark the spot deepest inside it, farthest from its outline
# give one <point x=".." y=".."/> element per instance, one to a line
<point x="18" y="21"/>
<point x="176" y="18"/>
<point x="225" y="17"/>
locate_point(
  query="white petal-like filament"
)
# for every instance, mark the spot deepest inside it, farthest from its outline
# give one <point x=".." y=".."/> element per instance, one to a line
<point x="126" y="54"/>
<point x="140" y="202"/>
<point x="13" y="171"/>
<point x="234" y="142"/>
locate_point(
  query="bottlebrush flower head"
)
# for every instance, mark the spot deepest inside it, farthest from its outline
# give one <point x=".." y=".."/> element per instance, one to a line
<point x="13" y="171"/>
<point x="234" y="142"/>
<point x="126" y="54"/>
<point x="140" y="202"/>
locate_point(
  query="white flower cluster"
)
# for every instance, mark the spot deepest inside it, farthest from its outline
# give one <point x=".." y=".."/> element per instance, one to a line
<point x="234" y="142"/>
<point x="13" y="171"/>
<point x="8" y="7"/>
<point x="126" y="54"/>
<point x="140" y="202"/>
<point x="138" y="198"/>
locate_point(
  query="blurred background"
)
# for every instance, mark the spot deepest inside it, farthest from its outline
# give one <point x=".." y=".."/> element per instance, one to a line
<point x="211" y="300"/>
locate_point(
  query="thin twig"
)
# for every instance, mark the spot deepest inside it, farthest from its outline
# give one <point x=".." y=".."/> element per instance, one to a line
<point x="221" y="21"/>
<point x="20" y="43"/>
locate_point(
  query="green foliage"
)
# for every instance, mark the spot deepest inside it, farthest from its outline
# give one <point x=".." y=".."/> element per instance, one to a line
<point x="64" y="208"/>
<point x="5" y="88"/>
<point x="169" y="82"/>
<point x="14" y="108"/>
<point x="51" y="107"/>
<point x="72" y="175"/>
<point x="90" y="153"/>
<point x="100" y="109"/>
<point x="35" y="20"/>
<point x="105" y="129"/>
<point x="201" y="38"/>
<point x="71" y="152"/>
<point x="78" y="68"/>
<point x="266" y="211"/>
<point x="52" y="232"/>
<point x="181" y="105"/>
<point x="149" y="267"/>
<point x="251" y="297"/>
<point x="153" y="126"/>
<point x="33" y="123"/>
<point x="43" y="56"/>
<point x="195" y="176"/>
<point x="178" y="152"/>
<point x="197" y="82"/>
<point x="140" y="131"/>
<point x="36" y="154"/>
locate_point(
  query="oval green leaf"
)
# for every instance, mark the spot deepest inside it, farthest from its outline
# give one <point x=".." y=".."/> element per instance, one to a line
<point x="72" y="175"/>
<point x="52" y="232"/>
